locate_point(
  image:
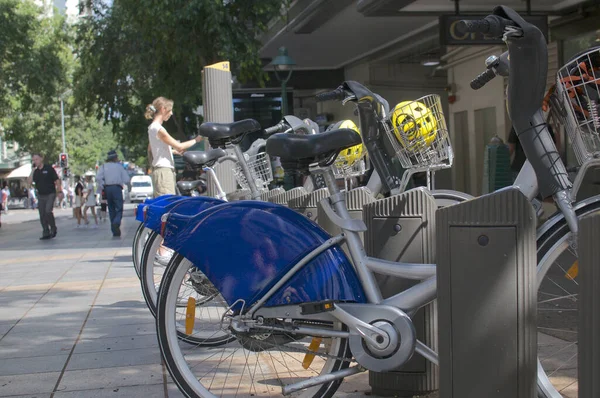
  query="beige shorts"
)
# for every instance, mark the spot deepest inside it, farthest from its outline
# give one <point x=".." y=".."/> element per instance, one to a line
<point x="163" y="181"/>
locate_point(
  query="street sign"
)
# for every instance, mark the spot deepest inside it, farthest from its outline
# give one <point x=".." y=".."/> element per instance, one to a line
<point x="450" y="35"/>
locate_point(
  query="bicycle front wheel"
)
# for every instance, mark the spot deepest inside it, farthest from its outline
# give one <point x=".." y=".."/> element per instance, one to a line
<point x="558" y="292"/>
<point x="250" y="364"/>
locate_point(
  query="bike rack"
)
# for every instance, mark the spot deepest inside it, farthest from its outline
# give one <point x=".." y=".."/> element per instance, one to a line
<point x="307" y="204"/>
<point x="589" y="307"/>
<point x="402" y="228"/>
<point x="285" y="197"/>
<point x="487" y="297"/>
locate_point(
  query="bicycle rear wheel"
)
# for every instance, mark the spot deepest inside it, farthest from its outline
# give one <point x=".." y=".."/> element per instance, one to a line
<point x="248" y="365"/>
<point x="139" y="239"/>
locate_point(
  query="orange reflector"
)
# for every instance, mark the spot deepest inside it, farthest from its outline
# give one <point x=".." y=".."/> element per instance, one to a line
<point x="163" y="225"/>
<point x="573" y="271"/>
<point x="314" y="347"/>
<point x="190" y="315"/>
<point x="135" y="212"/>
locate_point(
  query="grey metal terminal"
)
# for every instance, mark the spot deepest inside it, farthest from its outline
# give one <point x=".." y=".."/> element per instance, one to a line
<point x="285" y="197"/>
<point x="486" y="279"/>
<point x="589" y="307"/>
<point x="271" y="193"/>
<point x="307" y="204"/>
<point x="402" y="228"/>
<point x="217" y="98"/>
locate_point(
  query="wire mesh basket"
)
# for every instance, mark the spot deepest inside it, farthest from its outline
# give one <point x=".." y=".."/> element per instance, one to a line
<point x="418" y="133"/>
<point x="578" y="103"/>
<point x="345" y="167"/>
<point x="260" y="169"/>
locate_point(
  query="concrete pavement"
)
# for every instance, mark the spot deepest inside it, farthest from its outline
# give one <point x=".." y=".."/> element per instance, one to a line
<point x="73" y="322"/>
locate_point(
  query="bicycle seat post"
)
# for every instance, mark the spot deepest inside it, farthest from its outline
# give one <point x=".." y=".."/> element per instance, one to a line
<point x="254" y="192"/>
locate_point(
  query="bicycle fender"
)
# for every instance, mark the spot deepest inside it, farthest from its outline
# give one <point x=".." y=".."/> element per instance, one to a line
<point x="139" y="209"/>
<point x="245" y="248"/>
<point x="186" y="205"/>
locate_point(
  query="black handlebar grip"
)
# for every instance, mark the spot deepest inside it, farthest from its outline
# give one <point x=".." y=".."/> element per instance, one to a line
<point x="492" y="25"/>
<point x="473" y="25"/>
<point x="274" y="129"/>
<point x="482" y="79"/>
<point x="336" y="95"/>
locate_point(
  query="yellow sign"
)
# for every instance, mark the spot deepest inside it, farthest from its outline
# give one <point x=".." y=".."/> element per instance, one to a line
<point x="224" y="65"/>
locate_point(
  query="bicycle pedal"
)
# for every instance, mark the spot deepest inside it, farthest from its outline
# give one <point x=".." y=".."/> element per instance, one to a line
<point x="317" y="308"/>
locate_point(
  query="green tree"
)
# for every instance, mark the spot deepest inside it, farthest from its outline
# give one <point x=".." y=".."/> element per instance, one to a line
<point x="37" y="63"/>
<point x="33" y="56"/>
<point x="132" y="52"/>
<point x="39" y="131"/>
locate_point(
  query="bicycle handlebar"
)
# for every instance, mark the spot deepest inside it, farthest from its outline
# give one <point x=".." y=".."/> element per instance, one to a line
<point x="335" y="95"/>
<point x="483" y="79"/>
<point x="276" y="129"/>
<point x="492" y="25"/>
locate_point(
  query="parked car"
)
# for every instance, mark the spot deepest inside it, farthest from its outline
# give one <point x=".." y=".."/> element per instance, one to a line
<point x="141" y="188"/>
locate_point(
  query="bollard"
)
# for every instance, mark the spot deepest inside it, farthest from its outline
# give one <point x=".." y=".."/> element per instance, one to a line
<point x="589" y="307"/>
<point x="307" y="204"/>
<point x="217" y="99"/>
<point x="402" y="228"/>
<point x="285" y="197"/>
<point x="487" y="302"/>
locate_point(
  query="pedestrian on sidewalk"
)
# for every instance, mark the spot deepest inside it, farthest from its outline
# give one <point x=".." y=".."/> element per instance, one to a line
<point x="32" y="198"/>
<point x="78" y="200"/>
<point x="5" y="195"/>
<point x="111" y="178"/>
<point x="47" y="184"/>
<point x="90" y="201"/>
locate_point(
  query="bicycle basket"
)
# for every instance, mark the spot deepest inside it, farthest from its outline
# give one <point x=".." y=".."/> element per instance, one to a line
<point x="350" y="162"/>
<point x="260" y="169"/>
<point x="418" y="133"/>
<point x="578" y="103"/>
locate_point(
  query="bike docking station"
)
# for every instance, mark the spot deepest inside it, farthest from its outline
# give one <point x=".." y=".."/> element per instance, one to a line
<point x="266" y="196"/>
<point x="285" y="197"/>
<point x="307" y="204"/>
<point x="487" y="297"/>
<point x="589" y="306"/>
<point x="402" y="228"/>
<point x="217" y="97"/>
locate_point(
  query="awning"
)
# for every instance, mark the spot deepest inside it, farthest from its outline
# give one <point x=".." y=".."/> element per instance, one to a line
<point x="20" y="172"/>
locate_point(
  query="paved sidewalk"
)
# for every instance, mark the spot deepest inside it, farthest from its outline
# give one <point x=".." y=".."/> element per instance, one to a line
<point x="73" y="322"/>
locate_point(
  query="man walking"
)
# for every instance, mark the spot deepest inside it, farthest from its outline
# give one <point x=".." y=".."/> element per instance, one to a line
<point x="47" y="184"/>
<point x="111" y="178"/>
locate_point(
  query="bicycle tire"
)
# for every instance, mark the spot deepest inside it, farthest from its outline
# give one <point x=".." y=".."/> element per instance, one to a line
<point x="137" y="246"/>
<point x="172" y="355"/>
<point x="554" y="239"/>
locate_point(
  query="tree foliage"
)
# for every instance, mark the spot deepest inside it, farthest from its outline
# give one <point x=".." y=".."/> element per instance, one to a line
<point x="33" y="56"/>
<point x="37" y="63"/>
<point x="132" y="52"/>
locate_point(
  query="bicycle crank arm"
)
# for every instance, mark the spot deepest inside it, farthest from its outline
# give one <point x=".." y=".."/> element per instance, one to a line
<point x="373" y="335"/>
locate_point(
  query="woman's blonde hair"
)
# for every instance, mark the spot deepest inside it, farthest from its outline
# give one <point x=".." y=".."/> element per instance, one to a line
<point x="156" y="105"/>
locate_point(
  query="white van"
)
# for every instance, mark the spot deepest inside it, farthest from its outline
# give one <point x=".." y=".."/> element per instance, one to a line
<point x="141" y="188"/>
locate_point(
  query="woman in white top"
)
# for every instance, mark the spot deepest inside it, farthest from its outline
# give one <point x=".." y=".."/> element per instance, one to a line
<point x="162" y="146"/>
<point x="90" y="201"/>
